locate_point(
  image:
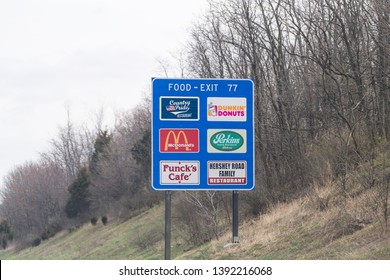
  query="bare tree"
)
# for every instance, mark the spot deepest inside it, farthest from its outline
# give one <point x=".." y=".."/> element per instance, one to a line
<point x="122" y="186"/>
<point x="34" y="198"/>
<point x="72" y="148"/>
<point x="204" y="214"/>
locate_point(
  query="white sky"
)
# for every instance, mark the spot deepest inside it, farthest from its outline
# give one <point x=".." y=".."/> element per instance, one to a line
<point x="82" y="54"/>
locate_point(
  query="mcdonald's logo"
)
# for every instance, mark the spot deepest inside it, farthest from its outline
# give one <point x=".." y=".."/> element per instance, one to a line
<point x="179" y="140"/>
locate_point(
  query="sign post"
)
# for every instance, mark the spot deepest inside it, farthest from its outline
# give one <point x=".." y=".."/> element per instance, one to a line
<point x="168" y="223"/>
<point x="235" y="217"/>
<point x="203" y="135"/>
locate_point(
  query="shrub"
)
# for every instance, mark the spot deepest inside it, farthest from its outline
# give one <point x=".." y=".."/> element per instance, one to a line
<point x="44" y="236"/>
<point x="5" y="233"/>
<point x="36" y="242"/>
<point x="52" y="230"/>
<point x="203" y="221"/>
<point x="78" y="202"/>
<point x="94" y="221"/>
<point x="71" y="229"/>
<point x="145" y="239"/>
<point x="4" y="243"/>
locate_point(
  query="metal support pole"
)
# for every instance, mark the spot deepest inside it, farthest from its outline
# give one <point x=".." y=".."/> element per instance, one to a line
<point x="167" y="225"/>
<point x="235" y="217"/>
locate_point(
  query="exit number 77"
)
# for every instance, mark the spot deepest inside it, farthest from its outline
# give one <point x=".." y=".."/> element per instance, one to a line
<point x="232" y="87"/>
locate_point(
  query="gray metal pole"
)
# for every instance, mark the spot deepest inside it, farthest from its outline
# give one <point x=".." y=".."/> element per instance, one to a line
<point x="235" y="217"/>
<point x="167" y="225"/>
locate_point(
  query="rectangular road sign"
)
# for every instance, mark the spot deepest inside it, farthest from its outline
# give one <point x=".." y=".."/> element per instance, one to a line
<point x="202" y="134"/>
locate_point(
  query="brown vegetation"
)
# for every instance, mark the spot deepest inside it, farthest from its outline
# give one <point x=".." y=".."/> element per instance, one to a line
<point x="321" y="70"/>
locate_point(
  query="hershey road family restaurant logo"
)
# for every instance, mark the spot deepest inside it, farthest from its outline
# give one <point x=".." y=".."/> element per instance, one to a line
<point x="179" y="108"/>
<point x="227" y="172"/>
<point x="179" y="140"/>
<point x="226" y="109"/>
<point x="222" y="141"/>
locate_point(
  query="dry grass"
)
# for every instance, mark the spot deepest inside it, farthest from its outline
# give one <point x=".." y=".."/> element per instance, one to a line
<point x="324" y="224"/>
<point x="327" y="223"/>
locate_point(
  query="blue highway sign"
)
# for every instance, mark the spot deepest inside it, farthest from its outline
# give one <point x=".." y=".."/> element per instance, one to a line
<point x="202" y="134"/>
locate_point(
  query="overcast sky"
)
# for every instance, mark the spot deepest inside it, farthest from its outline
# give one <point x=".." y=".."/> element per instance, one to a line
<point x="81" y="54"/>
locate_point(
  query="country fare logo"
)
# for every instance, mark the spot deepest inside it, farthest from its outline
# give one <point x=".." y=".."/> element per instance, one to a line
<point x="226" y="141"/>
<point x="226" y="109"/>
<point x="179" y="140"/>
<point x="179" y="172"/>
<point x="179" y="108"/>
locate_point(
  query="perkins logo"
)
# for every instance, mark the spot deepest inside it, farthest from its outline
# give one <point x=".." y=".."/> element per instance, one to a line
<point x="226" y="109"/>
<point x="179" y="108"/>
<point x="226" y="141"/>
<point x="179" y="140"/>
<point x="222" y="141"/>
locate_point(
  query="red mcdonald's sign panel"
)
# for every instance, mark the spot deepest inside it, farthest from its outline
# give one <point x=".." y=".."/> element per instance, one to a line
<point x="179" y="140"/>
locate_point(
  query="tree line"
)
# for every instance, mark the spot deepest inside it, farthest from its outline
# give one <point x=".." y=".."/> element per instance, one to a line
<point x="85" y="174"/>
<point x="321" y="70"/>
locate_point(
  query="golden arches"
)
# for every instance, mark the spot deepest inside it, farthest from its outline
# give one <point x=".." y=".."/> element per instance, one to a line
<point x="176" y="139"/>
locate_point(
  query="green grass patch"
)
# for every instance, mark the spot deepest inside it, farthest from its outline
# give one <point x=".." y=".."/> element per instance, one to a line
<point x="290" y="232"/>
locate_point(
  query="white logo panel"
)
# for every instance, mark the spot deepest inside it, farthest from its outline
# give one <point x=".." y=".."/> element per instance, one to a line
<point x="227" y="172"/>
<point x="179" y="173"/>
<point x="226" y="109"/>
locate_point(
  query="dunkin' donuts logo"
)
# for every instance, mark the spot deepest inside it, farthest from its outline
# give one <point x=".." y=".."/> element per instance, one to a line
<point x="179" y="140"/>
<point x="226" y="109"/>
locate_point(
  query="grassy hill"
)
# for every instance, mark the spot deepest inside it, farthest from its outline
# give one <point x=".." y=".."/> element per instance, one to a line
<point x="321" y="225"/>
<point x="127" y="240"/>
